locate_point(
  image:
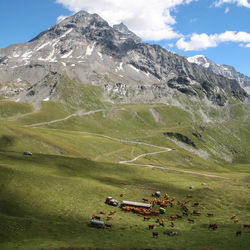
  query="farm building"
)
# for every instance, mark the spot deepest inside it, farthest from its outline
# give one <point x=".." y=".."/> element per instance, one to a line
<point x="136" y="204"/>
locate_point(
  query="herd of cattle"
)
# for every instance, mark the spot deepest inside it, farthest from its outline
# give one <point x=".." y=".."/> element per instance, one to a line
<point x="186" y="209"/>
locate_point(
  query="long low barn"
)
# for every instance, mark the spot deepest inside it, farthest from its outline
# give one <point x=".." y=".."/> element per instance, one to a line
<point x="136" y="204"/>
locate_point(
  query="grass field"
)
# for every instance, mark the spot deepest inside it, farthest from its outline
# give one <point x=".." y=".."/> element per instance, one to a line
<point x="47" y="199"/>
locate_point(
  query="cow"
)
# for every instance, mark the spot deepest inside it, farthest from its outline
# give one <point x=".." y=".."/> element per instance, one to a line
<point x="97" y="217"/>
<point x="185" y="213"/>
<point x="112" y="212"/>
<point x="172" y="203"/>
<point x="166" y="196"/>
<point x="236" y="220"/>
<point x="109" y="217"/>
<point x="238" y="233"/>
<point x="246" y="225"/>
<point x="233" y="216"/>
<point x="173" y="217"/>
<point x="157" y="219"/>
<point x="191" y="220"/>
<point x="151" y="226"/>
<point x="155" y="234"/>
<point x="144" y="199"/>
<point x="196" y="204"/>
<point x="189" y="196"/>
<point x="102" y="212"/>
<point x="172" y="224"/>
<point x="162" y="223"/>
<point x="196" y="212"/>
<point x="178" y="216"/>
<point x="185" y="208"/>
<point x="146" y="218"/>
<point x="108" y="225"/>
<point x="213" y="226"/>
<point x="210" y="214"/>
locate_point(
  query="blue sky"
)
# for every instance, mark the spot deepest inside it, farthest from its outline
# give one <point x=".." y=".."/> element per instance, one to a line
<point x="218" y="29"/>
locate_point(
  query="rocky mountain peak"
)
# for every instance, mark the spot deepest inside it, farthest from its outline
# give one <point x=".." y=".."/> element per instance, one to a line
<point x="124" y="30"/>
<point x="87" y="49"/>
<point x="224" y="70"/>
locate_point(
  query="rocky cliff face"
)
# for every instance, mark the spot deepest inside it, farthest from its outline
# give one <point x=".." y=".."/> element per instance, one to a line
<point x="87" y="49"/>
<point x="224" y="70"/>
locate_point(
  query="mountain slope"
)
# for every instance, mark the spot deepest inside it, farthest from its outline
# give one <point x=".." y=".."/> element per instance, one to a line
<point x="87" y="49"/>
<point x="224" y="70"/>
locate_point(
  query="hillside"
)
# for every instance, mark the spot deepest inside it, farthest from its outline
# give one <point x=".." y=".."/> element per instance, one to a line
<point x="126" y="120"/>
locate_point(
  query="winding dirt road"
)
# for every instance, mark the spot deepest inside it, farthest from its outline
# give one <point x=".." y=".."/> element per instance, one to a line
<point x="79" y="113"/>
<point x="129" y="162"/>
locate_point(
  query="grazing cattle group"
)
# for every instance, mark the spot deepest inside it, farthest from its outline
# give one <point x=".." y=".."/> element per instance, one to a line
<point x="167" y="203"/>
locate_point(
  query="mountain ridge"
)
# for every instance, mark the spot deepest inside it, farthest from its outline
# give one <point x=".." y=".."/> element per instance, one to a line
<point x="222" y="69"/>
<point x="87" y="49"/>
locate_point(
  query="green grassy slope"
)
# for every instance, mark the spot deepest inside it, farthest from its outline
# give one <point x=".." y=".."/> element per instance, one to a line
<point x="47" y="199"/>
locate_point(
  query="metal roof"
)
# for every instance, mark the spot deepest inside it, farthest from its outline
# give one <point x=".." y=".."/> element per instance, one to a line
<point x="99" y="222"/>
<point x="137" y="204"/>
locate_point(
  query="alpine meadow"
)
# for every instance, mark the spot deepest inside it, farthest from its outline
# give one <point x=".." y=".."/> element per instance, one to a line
<point x="89" y="112"/>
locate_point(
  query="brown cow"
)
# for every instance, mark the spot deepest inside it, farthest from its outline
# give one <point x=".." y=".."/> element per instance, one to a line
<point x="213" y="226"/>
<point x="162" y="223"/>
<point x="151" y="226"/>
<point x="108" y="225"/>
<point x="144" y="199"/>
<point x="157" y="219"/>
<point x="185" y="213"/>
<point x="233" y="216"/>
<point x="166" y="196"/>
<point x="210" y="214"/>
<point x="112" y="212"/>
<point x="102" y="212"/>
<point x="172" y="224"/>
<point x="173" y="217"/>
<point x="155" y="234"/>
<point x="97" y="217"/>
<point x="172" y="203"/>
<point x="196" y="204"/>
<point x="196" y="212"/>
<point x="238" y="233"/>
<point x="236" y="220"/>
<point x="146" y="218"/>
<point x="109" y="217"/>
<point x="189" y="196"/>
<point x="246" y="225"/>
<point x="191" y="220"/>
<point x="178" y="216"/>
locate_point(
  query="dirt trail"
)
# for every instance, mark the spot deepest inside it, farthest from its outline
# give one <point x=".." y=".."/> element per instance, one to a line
<point x="142" y="155"/>
<point x="130" y="162"/>
<point x="175" y="170"/>
<point x="79" y="113"/>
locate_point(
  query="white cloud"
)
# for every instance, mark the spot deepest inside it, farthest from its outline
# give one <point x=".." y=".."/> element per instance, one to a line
<point x="204" y="41"/>
<point x="245" y="45"/>
<point x="151" y="19"/>
<point x="60" y="18"/>
<point x="227" y="10"/>
<point x="242" y="3"/>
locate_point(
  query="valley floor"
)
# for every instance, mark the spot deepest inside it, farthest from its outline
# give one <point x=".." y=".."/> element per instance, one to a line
<point x="81" y="158"/>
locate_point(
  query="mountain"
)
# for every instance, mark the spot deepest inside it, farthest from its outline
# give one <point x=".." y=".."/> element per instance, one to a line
<point x="85" y="48"/>
<point x="224" y="70"/>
